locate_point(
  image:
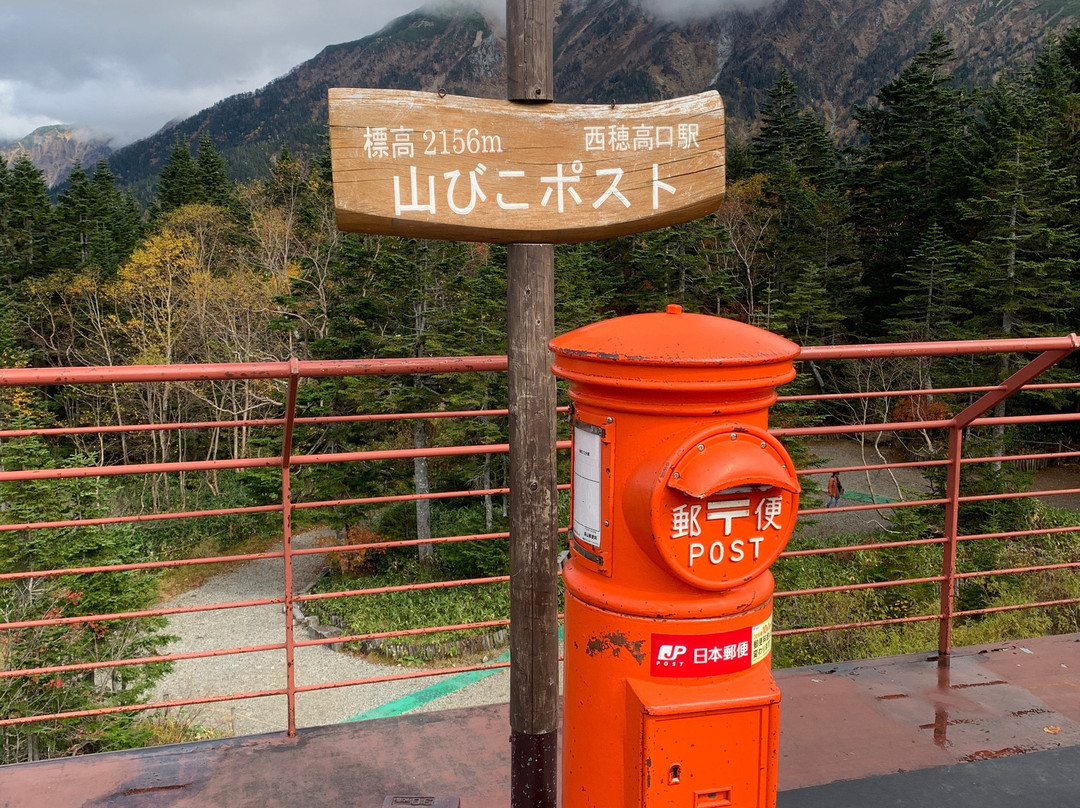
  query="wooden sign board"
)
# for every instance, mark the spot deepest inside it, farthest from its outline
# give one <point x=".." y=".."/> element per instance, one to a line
<point x="473" y="169"/>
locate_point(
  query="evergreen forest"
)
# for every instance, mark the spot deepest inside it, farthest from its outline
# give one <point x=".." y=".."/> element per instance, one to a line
<point x="953" y="214"/>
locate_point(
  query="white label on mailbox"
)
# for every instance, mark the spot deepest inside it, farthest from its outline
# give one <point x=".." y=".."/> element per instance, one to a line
<point x="586" y="486"/>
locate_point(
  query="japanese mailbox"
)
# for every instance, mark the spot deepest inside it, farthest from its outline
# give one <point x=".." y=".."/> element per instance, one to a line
<point x="440" y="166"/>
<point x="680" y="502"/>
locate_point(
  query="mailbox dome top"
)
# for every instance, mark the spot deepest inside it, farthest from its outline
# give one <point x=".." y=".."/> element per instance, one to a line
<point x="674" y="339"/>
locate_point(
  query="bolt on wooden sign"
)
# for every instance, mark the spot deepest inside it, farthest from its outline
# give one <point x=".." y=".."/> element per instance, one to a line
<point x="471" y="169"/>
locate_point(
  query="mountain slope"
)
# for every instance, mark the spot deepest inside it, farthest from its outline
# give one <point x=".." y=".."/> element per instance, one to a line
<point x="455" y="49"/>
<point x="838" y="51"/>
<point x="54" y="149"/>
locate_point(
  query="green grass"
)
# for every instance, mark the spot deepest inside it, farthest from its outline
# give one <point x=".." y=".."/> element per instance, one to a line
<point x="836" y="608"/>
<point x="177" y="726"/>
<point x="415" y="609"/>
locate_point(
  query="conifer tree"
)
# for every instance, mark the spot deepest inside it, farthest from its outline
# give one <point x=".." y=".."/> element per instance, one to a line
<point x="1070" y="51"/>
<point x="930" y="302"/>
<point x="1026" y="250"/>
<point x="6" y="256"/>
<point x="214" y="185"/>
<point x="94" y="225"/>
<point x="179" y="183"/>
<point x="122" y="224"/>
<point x="1055" y="80"/>
<point x="75" y="220"/>
<point x="287" y="180"/>
<point x="914" y="168"/>
<point x="29" y="219"/>
<point x="812" y="263"/>
<point x="816" y="153"/>
<point x="779" y="139"/>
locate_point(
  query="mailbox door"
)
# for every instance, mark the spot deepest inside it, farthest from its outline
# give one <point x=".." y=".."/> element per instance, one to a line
<point x="724" y="507"/>
<point x="709" y="758"/>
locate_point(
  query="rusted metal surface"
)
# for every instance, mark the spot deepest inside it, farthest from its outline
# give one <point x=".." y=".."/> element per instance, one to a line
<point x="817" y="353"/>
<point x="948" y="564"/>
<point x="292" y="375"/>
<point x="286" y="543"/>
<point x="839" y="722"/>
<point x="118" y="374"/>
<point x="463" y="753"/>
<point x="909" y="712"/>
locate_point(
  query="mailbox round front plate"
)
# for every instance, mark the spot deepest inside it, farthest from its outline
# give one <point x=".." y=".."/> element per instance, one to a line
<point x="725" y="507"/>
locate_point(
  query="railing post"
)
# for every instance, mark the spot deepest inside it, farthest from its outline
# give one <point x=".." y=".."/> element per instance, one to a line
<point x="1015" y="382"/>
<point x="948" y="550"/>
<point x="286" y="542"/>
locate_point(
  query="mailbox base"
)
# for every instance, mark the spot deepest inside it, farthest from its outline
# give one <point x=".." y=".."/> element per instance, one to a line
<point x="664" y="713"/>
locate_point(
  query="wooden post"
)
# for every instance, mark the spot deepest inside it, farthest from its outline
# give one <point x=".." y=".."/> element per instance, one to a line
<point x="518" y="172"/>
<point x="534" y="637"/>
<point x="534" y="628"/>
<point x="530" y="50"/>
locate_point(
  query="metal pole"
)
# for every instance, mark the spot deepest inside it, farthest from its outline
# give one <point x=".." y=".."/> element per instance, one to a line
<point x="534" y="650"/>
<point x="286" y="544"/>
<point x="959" y="423"/>
<point x="948" y="559"/>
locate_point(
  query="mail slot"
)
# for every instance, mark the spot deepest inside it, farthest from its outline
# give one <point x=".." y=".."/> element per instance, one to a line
<point x="681" y="500"/>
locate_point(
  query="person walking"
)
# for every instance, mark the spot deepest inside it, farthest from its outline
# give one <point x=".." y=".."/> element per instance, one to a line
<point x="835" y="489"/>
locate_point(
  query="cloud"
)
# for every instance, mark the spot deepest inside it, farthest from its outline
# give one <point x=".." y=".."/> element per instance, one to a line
<point x="14" y="123"/>
<point x="127" y="67"/>
<point x="697" y="9"/>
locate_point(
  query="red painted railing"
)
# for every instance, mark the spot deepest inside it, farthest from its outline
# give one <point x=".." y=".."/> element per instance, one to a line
<point x="973" y="403"/>
<point x="1050" y="352"/>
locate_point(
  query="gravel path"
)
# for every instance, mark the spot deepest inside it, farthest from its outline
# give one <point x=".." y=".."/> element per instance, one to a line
<point x="884" y="484"/>
<point x="265" y="670"/>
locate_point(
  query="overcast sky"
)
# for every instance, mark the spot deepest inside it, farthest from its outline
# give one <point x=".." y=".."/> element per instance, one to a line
<point x="124" y="68"/>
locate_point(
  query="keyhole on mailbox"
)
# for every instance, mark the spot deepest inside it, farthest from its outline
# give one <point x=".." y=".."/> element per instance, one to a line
<point x="675" y="774"/>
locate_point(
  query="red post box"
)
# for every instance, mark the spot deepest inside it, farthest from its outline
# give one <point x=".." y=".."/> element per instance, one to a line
<point x="681" y="501"/>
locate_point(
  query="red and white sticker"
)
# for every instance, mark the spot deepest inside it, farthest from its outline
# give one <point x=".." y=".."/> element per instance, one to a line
<point x="710" y="654"/>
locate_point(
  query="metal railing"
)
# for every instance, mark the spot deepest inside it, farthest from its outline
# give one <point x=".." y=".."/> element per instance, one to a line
<point x="1050" y="352"/>
<point x="970" y="403"/>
